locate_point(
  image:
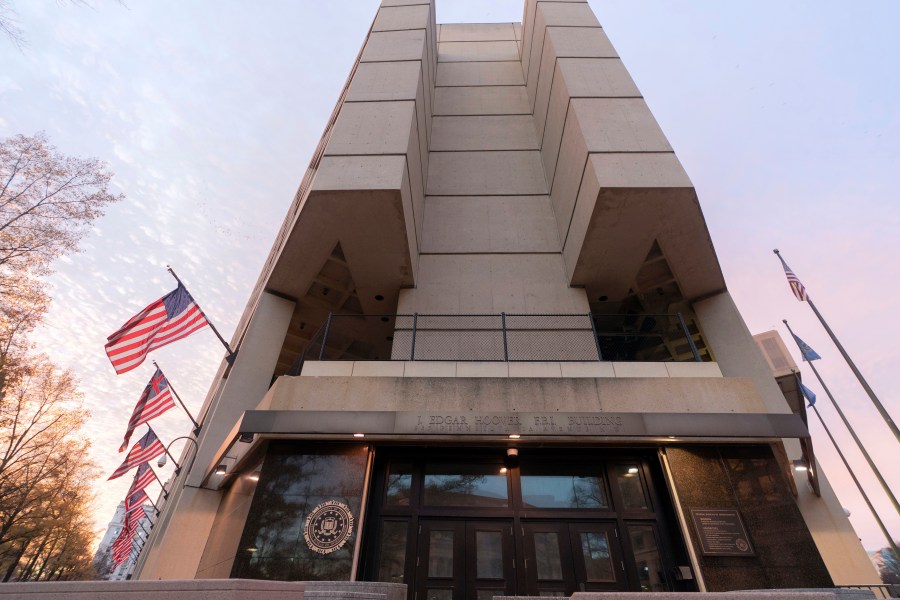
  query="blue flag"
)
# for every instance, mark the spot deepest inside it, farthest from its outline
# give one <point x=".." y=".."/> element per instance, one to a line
<point x="808" y="353"/>
<point x="808" y="394"/>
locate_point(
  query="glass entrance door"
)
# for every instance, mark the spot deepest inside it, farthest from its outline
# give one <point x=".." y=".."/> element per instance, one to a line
<point x="465" y="560"/>
<point x="562" y="558"/>
<point x="464" y="525"/>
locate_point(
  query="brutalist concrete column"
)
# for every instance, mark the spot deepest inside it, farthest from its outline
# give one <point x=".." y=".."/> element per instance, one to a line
<point x="178" y="539"/>
<point x="616" y="186"/>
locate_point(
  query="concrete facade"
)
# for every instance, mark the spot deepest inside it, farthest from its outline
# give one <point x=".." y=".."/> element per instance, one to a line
<point x="489" y="169"/>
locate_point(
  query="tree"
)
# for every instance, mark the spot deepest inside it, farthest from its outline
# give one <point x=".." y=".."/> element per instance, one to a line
<point x="47" y="200"/>
<point x="45" y="476"/>
<point x="47" y="203"/>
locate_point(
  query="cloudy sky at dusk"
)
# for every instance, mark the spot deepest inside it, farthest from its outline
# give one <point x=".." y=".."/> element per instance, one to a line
<point x="785" y="115"/>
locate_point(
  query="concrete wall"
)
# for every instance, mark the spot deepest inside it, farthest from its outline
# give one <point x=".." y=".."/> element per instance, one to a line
<point x="479" y="386"/>
<point x="177" y="541"/>
<point x="490" y="241"/>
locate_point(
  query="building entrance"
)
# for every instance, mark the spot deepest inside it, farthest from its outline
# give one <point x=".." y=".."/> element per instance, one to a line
<point x="473" y="524"/>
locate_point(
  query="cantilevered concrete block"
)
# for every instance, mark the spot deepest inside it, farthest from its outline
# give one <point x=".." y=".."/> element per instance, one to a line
<point x="373" y="128"/>
<point x="564" y="43"/>
<point x="482" y="100"/>
<point x="380" y="81"/>
<point x="575" y="78"/>
<point x="549" y="15"/>
<point x="402" y="17"/>
<point x="598" y="125"/>
<point x="479" y="73"/>
<point x="626" y="203"/>
<point x="477" y="32"/>
<point x="489" y="224"/>
<point x="395" y="45"/>
<point x="617" y="125"/>
<point x="485" y="173"/>
<point x="488" y="132"/>
<point x="478" y="51"/>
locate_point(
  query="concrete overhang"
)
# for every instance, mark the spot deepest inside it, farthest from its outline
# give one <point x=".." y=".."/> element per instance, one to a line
<point x="248" y="437"/>
<point x="626" y="203"/>
<point x="370" y="224"/>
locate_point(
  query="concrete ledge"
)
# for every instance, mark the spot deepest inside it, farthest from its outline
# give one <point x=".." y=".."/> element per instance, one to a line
<point x="192" y="589"/>
<point x="205" y="589"/>
<point x="836" y="594"/>
<point x="527" y="370"/>
<point x="389" y="591"/>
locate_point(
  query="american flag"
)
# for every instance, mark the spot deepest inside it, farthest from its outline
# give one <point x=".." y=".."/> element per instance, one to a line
<point x="134" y="517"/>
<point x="794" y="282"/>
<point x="145" y="449"/>
<point x="143" y="477"/>
<point x="172" y="317"/>
<point x="154" y="401"/>
<point x="135" y="501"/>
<point x="121" y="548"/>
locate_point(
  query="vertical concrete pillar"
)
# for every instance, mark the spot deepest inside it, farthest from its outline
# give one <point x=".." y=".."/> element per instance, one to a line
<point x="178" y="539"/>
<point x="735" y="350"/>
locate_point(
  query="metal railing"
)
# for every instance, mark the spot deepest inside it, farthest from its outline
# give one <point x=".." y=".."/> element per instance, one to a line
<point x="504" y="337"/>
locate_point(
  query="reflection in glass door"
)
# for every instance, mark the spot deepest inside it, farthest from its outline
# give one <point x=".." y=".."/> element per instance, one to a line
<point x="462" y="560"/>
<point x="561" y="558"/>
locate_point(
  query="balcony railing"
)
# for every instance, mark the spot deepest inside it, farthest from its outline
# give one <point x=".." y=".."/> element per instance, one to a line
<point x="504" y="337"/>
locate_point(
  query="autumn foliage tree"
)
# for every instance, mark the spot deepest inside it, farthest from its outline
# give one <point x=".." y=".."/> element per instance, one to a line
<point x="47" y="204"/>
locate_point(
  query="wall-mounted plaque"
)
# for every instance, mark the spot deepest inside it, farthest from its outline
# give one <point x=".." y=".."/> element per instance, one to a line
<point x="328" y="527"/>
<point x="721" y="532"/>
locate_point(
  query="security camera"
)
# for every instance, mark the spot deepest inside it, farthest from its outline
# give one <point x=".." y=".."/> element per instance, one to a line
<point x="512" y="458"/>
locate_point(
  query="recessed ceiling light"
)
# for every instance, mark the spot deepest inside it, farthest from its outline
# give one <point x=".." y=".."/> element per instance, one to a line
<point x="359" y="435"/>
<point x="514" y="436"/>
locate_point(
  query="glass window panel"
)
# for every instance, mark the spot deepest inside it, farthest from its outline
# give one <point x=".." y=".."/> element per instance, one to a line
<point x="551" y="486"/>
<point x="489" y="554"/>
<point x="546" y="550"/>
<point x="440" y="554"/>
<point x="630" y="485"/>
<point x="294" y="479"/>
<point x="465" y="485"/>
<point x="438" y="594"/>
<point x="399" y="482"/>
<point x="597" y="561"/>
<point x="392" y="558"/>
<point x="647" y="557"/>
<point x="489" y="594"/>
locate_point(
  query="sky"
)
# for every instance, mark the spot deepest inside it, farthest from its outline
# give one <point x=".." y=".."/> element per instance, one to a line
<point x="785" y="116"/>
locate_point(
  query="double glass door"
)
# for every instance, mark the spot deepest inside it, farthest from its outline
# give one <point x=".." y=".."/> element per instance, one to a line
<point x="465" y="560"/>
<point x="564" y="557"/>
<point x="467" y="526"/>
<point x="478" y="559"/>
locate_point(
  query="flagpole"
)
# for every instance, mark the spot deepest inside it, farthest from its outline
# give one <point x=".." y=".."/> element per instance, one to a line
<point x="884" y="413"/>
<point x="862" y="492"/>
<point x="862" y="449"/>
<point x="231" y="353"/>
<point x="158" y="480"/>
<point x="177" y="397"/>
<point x="166" y="449"/>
